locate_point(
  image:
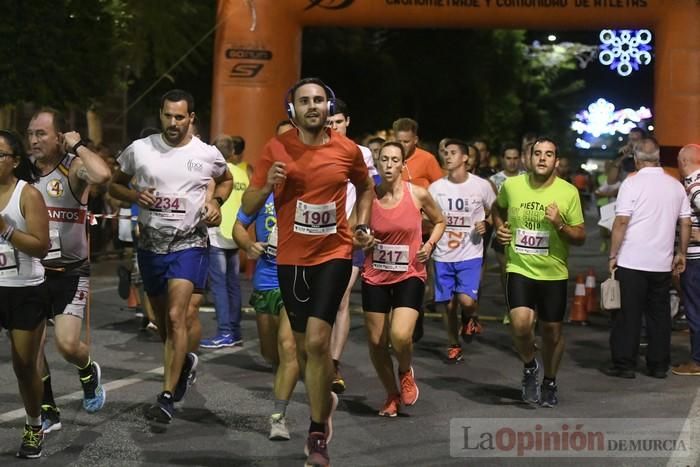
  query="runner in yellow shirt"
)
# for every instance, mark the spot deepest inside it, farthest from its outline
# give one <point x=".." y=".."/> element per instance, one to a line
<point x="537" y="216"/>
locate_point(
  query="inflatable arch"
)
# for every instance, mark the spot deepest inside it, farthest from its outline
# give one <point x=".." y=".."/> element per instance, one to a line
<point x="258" y="49"/>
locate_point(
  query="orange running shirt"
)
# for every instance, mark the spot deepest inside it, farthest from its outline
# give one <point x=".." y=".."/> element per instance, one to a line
<point x="311" y="224"/>
<point x="421" y="169"/>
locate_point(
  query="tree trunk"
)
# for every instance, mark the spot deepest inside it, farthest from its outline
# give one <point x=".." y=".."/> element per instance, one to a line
<point x="94" y="125"/>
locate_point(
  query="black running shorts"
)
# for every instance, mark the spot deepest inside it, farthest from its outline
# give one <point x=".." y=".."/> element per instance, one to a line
<point x="548" y="298"/>
<point x="383" y="298"/>
<point x="313" y="291"/>
<point x="23" y="308"/>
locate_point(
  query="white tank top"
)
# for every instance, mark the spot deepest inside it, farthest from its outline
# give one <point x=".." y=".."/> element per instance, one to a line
<point x="17" y="269"/>
<point x="67" y="216"/>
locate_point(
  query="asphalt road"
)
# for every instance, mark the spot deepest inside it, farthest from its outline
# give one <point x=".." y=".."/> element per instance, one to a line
<point x="224" y="419"/>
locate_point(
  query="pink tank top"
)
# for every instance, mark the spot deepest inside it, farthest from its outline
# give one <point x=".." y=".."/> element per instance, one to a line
<point x="398" y="230"/>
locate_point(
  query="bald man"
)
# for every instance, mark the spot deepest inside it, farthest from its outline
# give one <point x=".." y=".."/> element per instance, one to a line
<point x="689" y="168"/>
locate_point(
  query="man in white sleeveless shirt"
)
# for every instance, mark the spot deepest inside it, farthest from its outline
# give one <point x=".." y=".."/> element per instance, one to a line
<point x="67" y="168"/>
<point x="170" y="173"/>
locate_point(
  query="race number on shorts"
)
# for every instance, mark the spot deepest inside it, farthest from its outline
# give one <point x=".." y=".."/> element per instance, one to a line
<point x="55" y="247"/>
<point x="8" y="261"/>
<point x="457" y="221"/>
<point x="169" y="206"/>
<point x="390" y="257"/>
<point x="531" y="242"/>
<point x="315" y="219"/>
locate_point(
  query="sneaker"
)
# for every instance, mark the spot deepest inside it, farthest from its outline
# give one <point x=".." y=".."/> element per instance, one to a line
<point x="162" y="411"/>
<point x="687" y="369"/>
<point x="317" y="447"/>
<point x="409" y="389"/>
<point x="470" y="329"/>
<point x="278" y="428"/>
<point x="124" y="282"/>
<point x="189" y="365"/>
<point x="237" y="341"/>
<point x="94" y="394"/>
<point x="50" y="418"/>
<point x="549" y="395"/>
<point x="455" y="354"/>
<point x="217" y="342"/>
<point x="391" y="406"/>
<point x="32" y="441"/>
<point x="531" y="388"/>
<point x="338" y="383"/>
<point x="329" y="421"/>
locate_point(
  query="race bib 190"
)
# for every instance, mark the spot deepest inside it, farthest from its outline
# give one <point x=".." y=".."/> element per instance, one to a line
<point x="390" y="257"/>
<point x="315" y="219"/>
<point x="531" y="242"/>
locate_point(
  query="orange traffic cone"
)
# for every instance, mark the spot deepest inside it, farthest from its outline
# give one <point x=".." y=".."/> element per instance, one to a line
<point x="592" y="305"/>
<point x="578" y="314"/>
<point x="133" y="300"/>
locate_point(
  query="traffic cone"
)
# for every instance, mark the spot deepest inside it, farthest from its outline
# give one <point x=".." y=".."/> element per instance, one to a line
<point x="592" y="305"/>
<point x="133" y="300"/>
<point x="578" y="314"/>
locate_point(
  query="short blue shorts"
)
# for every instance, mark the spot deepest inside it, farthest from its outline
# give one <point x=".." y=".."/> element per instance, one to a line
<point x="191" y="264"/>
<point x="461" y="277"/>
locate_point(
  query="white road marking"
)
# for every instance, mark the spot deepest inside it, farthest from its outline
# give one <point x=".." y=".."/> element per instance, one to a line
<point x="691" y="457"/>
<point x="124" y="382"/>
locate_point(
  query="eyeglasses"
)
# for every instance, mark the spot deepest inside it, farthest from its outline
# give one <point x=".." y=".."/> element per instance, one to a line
<point x="5" y="155"/>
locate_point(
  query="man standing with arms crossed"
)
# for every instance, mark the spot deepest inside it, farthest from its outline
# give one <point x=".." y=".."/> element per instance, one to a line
<point x="171" y="171"/>
<point x="67" y="168"/>
<point x="537" y="216"/>
<point x="308" y="170"/>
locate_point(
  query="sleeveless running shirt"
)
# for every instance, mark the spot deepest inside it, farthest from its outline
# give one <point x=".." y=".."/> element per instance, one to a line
<point x="398" y="231"/>
<point x="17" y="269"/>
<point x="67" y="216"/>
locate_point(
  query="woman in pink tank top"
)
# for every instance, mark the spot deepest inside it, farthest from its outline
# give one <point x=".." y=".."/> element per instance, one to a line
<point x="393" y="281"/>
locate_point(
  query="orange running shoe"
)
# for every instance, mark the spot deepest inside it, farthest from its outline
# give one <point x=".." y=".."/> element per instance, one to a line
<point x="455" y="354"/>
<point x="391" y="406"/>
<point x="409" y="389"/>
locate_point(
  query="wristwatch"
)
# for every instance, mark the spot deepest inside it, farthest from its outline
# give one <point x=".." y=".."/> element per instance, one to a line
<point x="75" y="147"/>
<point x="364" y="228"/>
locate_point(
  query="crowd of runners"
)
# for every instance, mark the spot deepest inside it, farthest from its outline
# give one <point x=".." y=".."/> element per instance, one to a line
<point x="317" y="212"/>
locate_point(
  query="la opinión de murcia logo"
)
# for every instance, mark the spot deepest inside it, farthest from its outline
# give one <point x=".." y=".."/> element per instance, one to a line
<point x="329" y="4"/>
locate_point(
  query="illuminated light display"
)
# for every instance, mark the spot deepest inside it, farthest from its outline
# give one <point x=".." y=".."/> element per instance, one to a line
<point x="601" y="118"/>
<point x="625" y="50"/>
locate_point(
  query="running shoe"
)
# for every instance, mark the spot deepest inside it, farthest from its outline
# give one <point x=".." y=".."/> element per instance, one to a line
<point x="329" y="422"/>
<point x="50" y="418"/>
<point x="188" y="366"/>
<point x="391" y="406"/>
<point x="338" y="383"/>
<point x="316" y="445"/>
<point x="94" y="394"/>
<point x="530" y="387"/>
<point x="549" y="395"/>
<point x="32" y="442"/>
<point x="217" y="342"/>
<point x="455" y="354"/>
<point x="162" y="411"/>
<point x="278" y="428"/>
<point x="409" y="389"/>
<point x="687" y="369"/>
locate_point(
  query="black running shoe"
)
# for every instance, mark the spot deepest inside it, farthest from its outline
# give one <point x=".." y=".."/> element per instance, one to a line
<point x="531" y="387"/>
<point x="189" y="365"/>
<point x="32" y="441"/>
<point x="549" y="395"/>
<point x="162" y="411"/>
